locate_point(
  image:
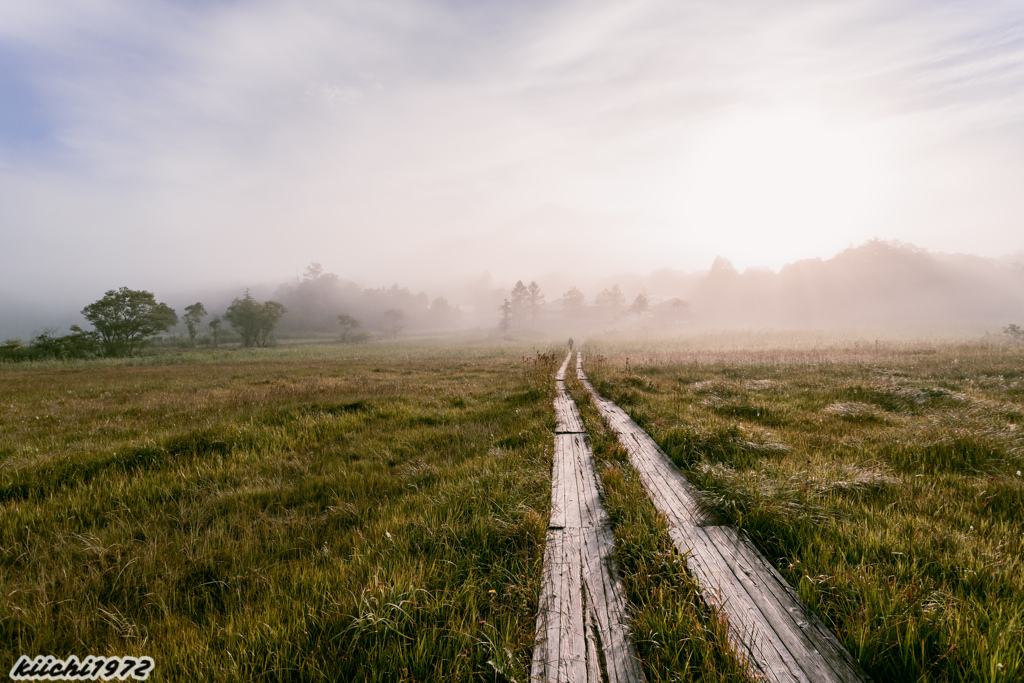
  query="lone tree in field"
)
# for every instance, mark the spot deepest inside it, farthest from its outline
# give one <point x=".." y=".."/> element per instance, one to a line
<point x="194" y="315"/>
<point x="214" y="326"/>
<point x="254" y="321"/>
<point x="640" y="305"/>
<point x="573" y="302"/>
<point x="126" y="318"/>
<point x="349" y="328"/>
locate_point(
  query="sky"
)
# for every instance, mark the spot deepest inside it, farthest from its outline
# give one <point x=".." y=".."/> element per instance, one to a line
<point x="180" y="145"/>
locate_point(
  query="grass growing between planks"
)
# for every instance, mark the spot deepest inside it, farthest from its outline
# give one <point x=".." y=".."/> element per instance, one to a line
<point x="882" y="481"/>
<point x="678" y="638"/>
<point x="307" y="517"/>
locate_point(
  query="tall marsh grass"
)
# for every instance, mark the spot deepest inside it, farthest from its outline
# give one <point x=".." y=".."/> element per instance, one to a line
<point x="882" y="480"/>
<point x="280" y="515"/>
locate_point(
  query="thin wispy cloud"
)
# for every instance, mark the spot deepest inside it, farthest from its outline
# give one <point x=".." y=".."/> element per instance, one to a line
<point x="221" y="142"/>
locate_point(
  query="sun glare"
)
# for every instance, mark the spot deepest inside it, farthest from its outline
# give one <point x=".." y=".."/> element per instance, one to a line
<point x="756" y="176"/>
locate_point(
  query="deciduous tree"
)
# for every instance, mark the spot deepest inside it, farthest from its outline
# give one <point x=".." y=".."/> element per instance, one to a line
<point x="350" y="331"/>
<point x="125" y="319"/>
<point x="214" y="326"/>
<point x="640" y="305"/>
<point x="254" y="321"/>
<point x="79" y="344"/>
<point x="194" y="315"/>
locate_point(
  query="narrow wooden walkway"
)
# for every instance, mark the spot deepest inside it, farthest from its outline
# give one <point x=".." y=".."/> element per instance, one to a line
<point x="582" y="634"/>
<point x="769" y="626"/>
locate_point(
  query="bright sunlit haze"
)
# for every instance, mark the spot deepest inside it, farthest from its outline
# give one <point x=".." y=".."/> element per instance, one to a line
<point x="184" y="146"/>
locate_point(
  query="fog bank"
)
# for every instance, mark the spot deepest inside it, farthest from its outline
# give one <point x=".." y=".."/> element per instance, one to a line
<point x="875" y="284"/>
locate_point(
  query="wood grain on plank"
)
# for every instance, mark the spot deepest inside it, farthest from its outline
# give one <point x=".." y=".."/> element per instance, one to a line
<point x="603" y="590"/>
<point x="582" y="630"/>
<point x="770" y="628"/>
<point x="569" y="420"/>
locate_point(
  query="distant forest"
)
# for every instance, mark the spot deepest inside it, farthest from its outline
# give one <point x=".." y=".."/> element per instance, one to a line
<point x="316" y="300"/>
<point x="876" y="283"/>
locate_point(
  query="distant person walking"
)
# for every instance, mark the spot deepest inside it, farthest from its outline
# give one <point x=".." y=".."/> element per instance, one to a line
<point x="570" y="343"/>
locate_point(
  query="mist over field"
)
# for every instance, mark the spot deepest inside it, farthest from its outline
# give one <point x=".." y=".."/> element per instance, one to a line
<point x="206" y="147"/>
<point x="731" y="163"/>
<point x="874" y="284"/>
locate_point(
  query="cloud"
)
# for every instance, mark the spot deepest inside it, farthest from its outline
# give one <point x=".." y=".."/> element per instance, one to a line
<point x="246" y="139"/>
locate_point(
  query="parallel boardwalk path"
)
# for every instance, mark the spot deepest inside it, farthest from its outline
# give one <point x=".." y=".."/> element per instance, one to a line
<point x="582" y="635"/>
<point x="769" y="626"/>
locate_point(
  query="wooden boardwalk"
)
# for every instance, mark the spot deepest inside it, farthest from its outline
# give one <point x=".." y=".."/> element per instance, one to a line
<point x="582" y="634"/>
<point x="769" y="626"/>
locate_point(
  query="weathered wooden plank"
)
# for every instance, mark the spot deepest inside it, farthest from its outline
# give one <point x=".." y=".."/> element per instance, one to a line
<point x="732" y="548"/>
<point x="683" y="499"/>
<point x="584" y="504"/>
<point x="560" y="375"/>
<point x="557" y="493"/>
<point x="565" y="483"/>
<point x="660" y="483"/>
<point x="582" y="631"/>
<point x="826" y="659"/>
<point x="570" y="492"/>
<point x="750" y="633"/>
<point x="663" y="481"/>
<point x="769" y="626"/>
<point x="572" y="656"/>
<point x="608" y="607"/>
<point x="546" y="646"/>
<point x="567" y="416"/>
<point x="592" y="513"/>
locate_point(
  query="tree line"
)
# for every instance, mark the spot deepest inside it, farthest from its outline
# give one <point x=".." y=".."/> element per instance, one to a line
<point x="125" y="320"/>
<point x="525" y="304"/>
<point x="317" y="298"/>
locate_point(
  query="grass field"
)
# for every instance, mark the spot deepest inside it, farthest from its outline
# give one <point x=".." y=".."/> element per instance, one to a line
<point x="883" y="480"/>
<point x="378" y="512"/>
<point x="335" y="513"/>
